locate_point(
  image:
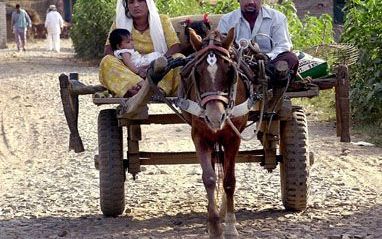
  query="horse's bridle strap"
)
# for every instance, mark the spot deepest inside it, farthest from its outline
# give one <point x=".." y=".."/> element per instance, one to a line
<point x="206" y="99"/>
<point x="212" y="47"/>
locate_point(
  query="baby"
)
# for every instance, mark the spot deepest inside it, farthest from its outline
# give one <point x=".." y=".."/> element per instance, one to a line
<point x="123" y="46"/>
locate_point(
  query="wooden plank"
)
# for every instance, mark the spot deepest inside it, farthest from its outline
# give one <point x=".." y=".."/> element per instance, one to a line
<point x="120" y="100"/>
<point x="171" y="118"/>
<point x="109" y="101"/>
<point x="313" y="91"/>
<point x="78" y="88"/>
<point x="325" y="83"/>
<point x="166" y="158"/>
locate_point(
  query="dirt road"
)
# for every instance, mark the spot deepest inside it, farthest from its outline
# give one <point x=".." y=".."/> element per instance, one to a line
<point x="48" y="192"/>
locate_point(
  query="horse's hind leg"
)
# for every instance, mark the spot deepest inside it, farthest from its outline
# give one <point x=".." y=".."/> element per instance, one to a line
<point x="215" y="229"/>
<point x="229" y="188"/>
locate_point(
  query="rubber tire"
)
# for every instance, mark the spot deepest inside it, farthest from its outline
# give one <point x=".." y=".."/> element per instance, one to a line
<point x="294" y="168"/>
<point x="111" y="170"/>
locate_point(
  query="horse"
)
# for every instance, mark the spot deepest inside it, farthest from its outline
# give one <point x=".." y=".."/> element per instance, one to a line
<point x="215" y="85"/>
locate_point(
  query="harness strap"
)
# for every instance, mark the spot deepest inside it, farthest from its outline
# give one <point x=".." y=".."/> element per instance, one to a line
<point x="206" y="99"/>
<point x="165" y="100"/>
<point x="212" y="47"/>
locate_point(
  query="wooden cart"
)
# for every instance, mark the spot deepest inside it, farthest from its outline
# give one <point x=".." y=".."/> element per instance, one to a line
<point x="284" y="138"/>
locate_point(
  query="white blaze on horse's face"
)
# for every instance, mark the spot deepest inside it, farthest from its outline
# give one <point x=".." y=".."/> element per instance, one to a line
<point x="212" y="66"/>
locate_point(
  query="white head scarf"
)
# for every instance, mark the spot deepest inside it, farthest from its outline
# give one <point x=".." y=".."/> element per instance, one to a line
<point x="156" y="30"/>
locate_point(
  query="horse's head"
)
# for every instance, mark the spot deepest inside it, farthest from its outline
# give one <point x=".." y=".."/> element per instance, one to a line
<point x="214" y="76"/>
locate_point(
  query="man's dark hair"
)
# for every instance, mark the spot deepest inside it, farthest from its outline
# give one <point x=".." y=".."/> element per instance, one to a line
<point x="17" y="6"/>
<point x="116" y="37"/>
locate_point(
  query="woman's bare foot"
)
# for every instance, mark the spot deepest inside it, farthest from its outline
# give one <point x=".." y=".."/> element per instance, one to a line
<point x="133" y="91"/>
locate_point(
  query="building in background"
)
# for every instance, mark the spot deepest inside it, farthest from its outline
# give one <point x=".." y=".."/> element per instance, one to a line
<point x="3" y="26"/>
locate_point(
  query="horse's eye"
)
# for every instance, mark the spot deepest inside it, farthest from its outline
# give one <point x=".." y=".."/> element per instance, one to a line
<point x="225" y="61"/>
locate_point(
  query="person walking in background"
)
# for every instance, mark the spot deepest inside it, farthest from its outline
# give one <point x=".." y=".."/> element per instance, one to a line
<point x="20" y="22"/>
<point x="53" y="24"/>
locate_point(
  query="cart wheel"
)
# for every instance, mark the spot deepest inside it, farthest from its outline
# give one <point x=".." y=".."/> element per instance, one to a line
<point x="294" y="168"/>
<point x="111" y="170"/>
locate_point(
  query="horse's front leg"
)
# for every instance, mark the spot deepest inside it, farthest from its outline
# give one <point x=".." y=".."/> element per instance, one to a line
<point x="215" y="229"/>
<point x="230" y="151"/>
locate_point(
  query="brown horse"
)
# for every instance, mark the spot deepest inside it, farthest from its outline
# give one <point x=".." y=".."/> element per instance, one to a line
<point x="214" y="84"/>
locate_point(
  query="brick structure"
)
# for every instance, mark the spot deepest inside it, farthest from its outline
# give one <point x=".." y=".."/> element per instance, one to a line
<point x="314" y="7"/>
<point x="3" y="26"/>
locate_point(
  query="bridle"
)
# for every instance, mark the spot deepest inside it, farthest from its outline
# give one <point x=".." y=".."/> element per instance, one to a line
<point x="211" y="53"/>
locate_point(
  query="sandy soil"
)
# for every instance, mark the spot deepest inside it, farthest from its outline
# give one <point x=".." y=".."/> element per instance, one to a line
<point x="48" y="192"/>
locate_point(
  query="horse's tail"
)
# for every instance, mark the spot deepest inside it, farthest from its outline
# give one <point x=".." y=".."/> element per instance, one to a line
<point x="218" y="162"/>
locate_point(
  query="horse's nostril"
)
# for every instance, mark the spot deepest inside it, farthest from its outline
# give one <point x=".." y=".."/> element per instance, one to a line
<point x="223" y="117"/>
<point x="207" y="119"/>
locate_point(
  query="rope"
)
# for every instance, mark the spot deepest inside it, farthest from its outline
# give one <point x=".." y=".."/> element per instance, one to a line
<point x="169" y="104"/>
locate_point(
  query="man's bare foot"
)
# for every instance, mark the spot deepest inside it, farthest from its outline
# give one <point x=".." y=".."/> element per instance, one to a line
<point x="160" y="64"/>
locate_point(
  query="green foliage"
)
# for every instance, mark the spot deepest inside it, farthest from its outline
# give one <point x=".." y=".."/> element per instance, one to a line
<point x="311" y="31"/>
<point x="363" y="28"/>
<point x="91" y="23"/>
<point x="222" y="6"/>
<point x="320" y="108"/>
<point x="175" y="8"/>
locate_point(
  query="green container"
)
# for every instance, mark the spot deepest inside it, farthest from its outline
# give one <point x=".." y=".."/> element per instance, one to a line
<point x="311" y="66"/>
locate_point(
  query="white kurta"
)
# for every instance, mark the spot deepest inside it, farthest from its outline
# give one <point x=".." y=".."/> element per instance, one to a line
<point x="53" y="24"/>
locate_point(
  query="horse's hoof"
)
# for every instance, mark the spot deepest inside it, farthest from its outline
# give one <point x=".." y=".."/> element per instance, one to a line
<point x="215" y="232"/>
<point x="217" y="237"/>
<point x="230" y="231"/>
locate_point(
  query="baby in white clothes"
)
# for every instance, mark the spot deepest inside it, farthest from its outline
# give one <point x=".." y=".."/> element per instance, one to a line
<point x="123" y="47"/>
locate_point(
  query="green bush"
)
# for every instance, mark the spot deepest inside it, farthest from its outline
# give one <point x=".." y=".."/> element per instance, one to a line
<point x="363" y="28"/>
<point x="308" y="32"/>
<point x="175" y="8"/>
<point x="222" y="6"/>
<point x="91" y="23"/>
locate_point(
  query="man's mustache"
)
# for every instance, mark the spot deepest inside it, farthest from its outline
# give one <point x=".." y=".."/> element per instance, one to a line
<point x="251" y="5"/>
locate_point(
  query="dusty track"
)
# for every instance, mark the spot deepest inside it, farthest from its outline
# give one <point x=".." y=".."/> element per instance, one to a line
<point x="48" y="192"/>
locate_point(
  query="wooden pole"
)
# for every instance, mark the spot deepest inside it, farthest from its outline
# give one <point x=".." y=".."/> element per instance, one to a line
<point x="343" y="102"/>
<point x="70" y="104"/>
<point x="134" y="136"/>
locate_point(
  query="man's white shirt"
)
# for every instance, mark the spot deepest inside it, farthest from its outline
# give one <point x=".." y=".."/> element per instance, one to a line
<point x="269" y="22"/>
<point x="54" y="22"/>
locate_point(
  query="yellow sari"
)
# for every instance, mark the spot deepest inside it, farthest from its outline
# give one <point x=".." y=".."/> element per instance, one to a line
<point x="116" y="77"/>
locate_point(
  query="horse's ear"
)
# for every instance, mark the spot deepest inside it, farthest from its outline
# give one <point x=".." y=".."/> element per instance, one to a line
<point x="229" y="39"/>
<point x="195" y="39"/>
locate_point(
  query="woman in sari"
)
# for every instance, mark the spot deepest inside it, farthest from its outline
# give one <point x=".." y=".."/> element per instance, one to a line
<point x="150" y="32"/>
